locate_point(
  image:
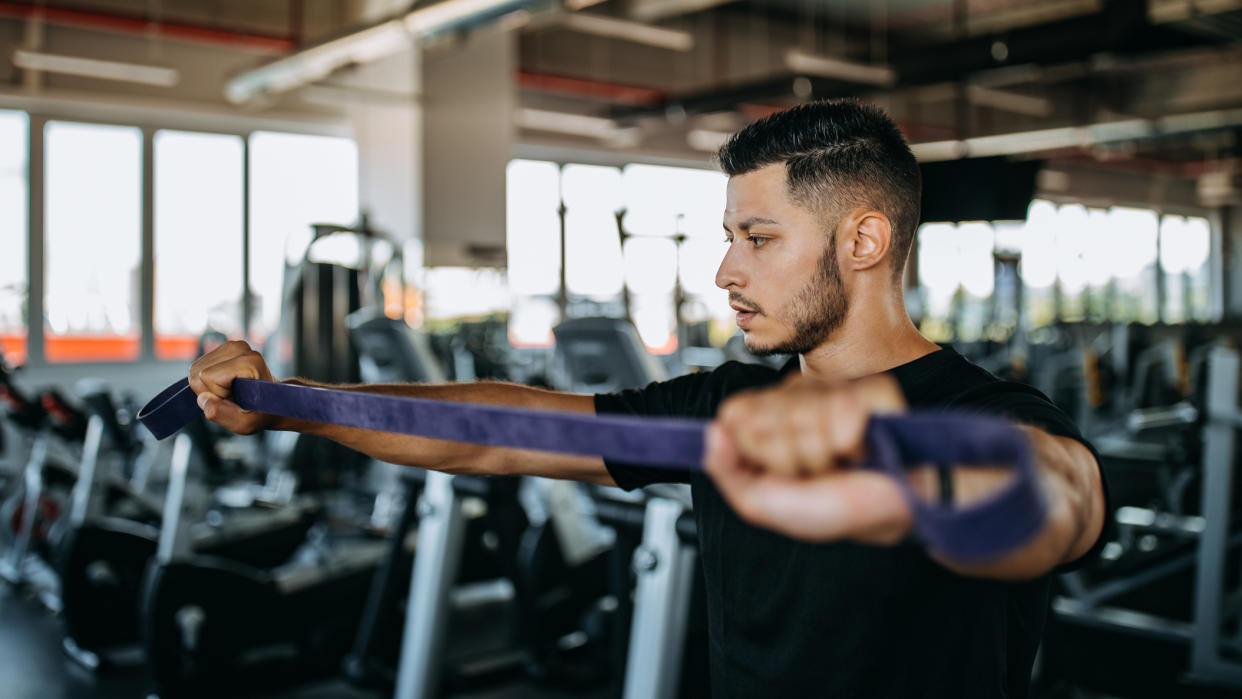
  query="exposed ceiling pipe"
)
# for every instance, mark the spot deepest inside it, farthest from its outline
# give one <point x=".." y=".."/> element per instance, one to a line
<point x="1025" y="142"/>
<point x="655" y="10"/>
<point x="369" y="44"/>
<point x="626" y="30"/>
<point x="801" y="62"/>
<point x="138" y="25"/>
<point x="590" y="89"/>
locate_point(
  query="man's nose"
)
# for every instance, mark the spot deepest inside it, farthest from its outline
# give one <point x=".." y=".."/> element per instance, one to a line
<point x="730" y="271"/>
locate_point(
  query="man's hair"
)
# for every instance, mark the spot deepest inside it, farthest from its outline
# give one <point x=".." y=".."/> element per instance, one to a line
<point x="838" y="154"/>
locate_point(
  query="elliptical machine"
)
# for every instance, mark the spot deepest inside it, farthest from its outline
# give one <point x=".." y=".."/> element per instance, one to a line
<point x="110" y="540"/>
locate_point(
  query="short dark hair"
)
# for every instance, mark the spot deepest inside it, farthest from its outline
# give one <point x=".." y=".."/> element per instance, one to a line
<point x="837" y="154"/>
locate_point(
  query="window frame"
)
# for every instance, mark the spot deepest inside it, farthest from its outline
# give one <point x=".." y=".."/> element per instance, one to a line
<point x="149" y="120"/>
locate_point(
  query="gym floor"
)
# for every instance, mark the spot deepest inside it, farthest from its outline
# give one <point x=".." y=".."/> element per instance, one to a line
<point x="32" y="666"/>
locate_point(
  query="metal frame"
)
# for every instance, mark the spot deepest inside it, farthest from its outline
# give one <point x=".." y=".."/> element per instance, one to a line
<point x="441" y="534"/>
<point x="149" y="120"/>
<point x="1213" y="604"/>
<point x="665" y="567"/>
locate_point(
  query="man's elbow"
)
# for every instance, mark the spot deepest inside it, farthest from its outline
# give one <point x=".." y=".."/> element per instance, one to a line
<point x="1092" y="508"/>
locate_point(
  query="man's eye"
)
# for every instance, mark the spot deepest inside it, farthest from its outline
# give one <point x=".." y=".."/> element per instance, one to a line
<point x="757" y="241"/>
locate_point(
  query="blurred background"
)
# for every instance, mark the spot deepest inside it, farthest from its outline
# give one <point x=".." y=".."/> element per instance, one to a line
<point x="523" y="190"/>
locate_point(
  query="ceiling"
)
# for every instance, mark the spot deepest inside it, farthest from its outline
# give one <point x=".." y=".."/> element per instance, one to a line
<point x="1103" y="81"/>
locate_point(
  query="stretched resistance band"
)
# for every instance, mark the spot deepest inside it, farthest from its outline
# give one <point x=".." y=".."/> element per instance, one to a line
<point x="981" y="530"/>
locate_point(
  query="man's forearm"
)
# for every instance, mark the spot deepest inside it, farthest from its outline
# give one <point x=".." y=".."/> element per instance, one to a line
<point x="454" y="457"/>
<point x="1070" y="480"/>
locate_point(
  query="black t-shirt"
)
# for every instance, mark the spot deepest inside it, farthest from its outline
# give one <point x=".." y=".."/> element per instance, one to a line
<point x="789" y="618"/>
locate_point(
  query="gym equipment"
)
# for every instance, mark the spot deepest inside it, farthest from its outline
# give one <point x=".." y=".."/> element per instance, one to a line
<point x="34" y="509"/>
<point x="654" y="574"/>
<point x="211" y="624"/>
<point x="1201" y="543"/>
<point x="551" y="594"/>
<point x="107" y="545"/>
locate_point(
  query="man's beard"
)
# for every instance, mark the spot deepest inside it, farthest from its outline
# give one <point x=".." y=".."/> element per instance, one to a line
<point x="816" y="311"/>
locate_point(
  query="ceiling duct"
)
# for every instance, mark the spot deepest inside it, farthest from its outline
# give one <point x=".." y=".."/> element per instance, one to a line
<point x="802" y="62"/>
<point x="625" y="30"/>
<point x="369" y="44"/>
<point x="1024" y="142"/>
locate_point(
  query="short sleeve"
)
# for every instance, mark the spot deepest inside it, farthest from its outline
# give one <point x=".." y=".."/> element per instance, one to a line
<point x="674" y="398"/>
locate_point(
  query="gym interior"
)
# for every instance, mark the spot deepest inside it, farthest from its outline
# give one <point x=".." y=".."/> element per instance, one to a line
<point x="528" y="191"/>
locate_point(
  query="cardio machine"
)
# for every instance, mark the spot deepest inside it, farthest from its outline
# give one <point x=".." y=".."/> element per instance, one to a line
<point x="108" y="544"/>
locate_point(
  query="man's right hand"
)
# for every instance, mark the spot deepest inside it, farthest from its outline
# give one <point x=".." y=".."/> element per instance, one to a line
<point x="211" y="377"/>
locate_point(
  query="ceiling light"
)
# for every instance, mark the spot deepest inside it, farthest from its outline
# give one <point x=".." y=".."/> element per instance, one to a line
<point x="706" y="140"/>
<point x="95" y="68"/>
<point x="800" y="61"/>
<point x="625" y="30"/>
<point x="563" y="122"/>
<point x="1007" y="101"/>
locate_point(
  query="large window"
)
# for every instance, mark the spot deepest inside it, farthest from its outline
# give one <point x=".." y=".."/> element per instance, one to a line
<point x="295" y="181"/>
<point x="14" y="147"/>
<point x="198" y="239"/>
<point x="673" y="215"/>
<point x="1076" y="264"/>
<point x="1185" y="245"/>
<point x="669" y="218"/>
<point x="93" y="217"/>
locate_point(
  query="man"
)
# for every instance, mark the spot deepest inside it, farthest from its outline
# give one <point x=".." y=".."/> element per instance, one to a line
<point x="831" y="597"/>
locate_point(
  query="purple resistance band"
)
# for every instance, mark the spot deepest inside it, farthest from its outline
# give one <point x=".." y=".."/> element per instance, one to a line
<point x="982" y="530"/>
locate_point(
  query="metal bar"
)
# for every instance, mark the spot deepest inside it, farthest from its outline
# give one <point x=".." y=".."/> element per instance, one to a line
<point x="247" y="303"/>
<point x="665" y="567"/>
<point x="1218" y="453"/>
<point x="36" y="185"/>
<point x="441" y="530"/>
<point x="172" y="538"/>
<point x="1115" y="618"/>
<point x="12" y="568"/>
<point x="87" y="471"/>
<point x="146" y="285"/>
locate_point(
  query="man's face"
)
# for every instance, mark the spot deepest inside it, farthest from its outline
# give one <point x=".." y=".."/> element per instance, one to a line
<point x="781" y="268"/>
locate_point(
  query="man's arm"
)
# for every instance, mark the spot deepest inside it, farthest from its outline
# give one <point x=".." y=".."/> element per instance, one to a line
<point x="211" y="377"/>
<point x="777" y="455"/>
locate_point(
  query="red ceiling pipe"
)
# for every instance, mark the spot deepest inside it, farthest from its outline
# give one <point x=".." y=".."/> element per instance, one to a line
<point x="577" y="87"/>
<point x="143" y="26"/>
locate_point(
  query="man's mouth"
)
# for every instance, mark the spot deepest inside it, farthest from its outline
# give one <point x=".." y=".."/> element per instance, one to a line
<point x="744" y="315"/>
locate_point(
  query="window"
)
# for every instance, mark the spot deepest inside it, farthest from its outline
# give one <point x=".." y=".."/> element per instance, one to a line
<point x="593" y="261"/>
<point x="295" y="181"/>
<point x="198" y="239"/>
<point x="671" y="218"/>
<point x="663" y="205"/>
<point x="14" y="147"/>
<point x="93" y="217"/>
<point x="533" y="227"/>
<point x="1076" y="264"/>
<point x="1131" y="248"/>
<point x="1185" y="244"/>
<point x="956" y="273"/>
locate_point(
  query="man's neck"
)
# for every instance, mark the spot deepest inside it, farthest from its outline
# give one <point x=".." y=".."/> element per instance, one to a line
<point x="869" y="341"/>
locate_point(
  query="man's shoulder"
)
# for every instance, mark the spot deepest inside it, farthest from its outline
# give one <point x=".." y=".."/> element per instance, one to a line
<point x="696" y="394"/>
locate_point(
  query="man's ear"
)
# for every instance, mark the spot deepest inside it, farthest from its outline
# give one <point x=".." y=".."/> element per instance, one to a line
<point x="868" y="237"/>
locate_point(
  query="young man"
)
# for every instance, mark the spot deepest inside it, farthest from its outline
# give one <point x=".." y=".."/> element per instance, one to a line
<point x="828" y="596"/>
